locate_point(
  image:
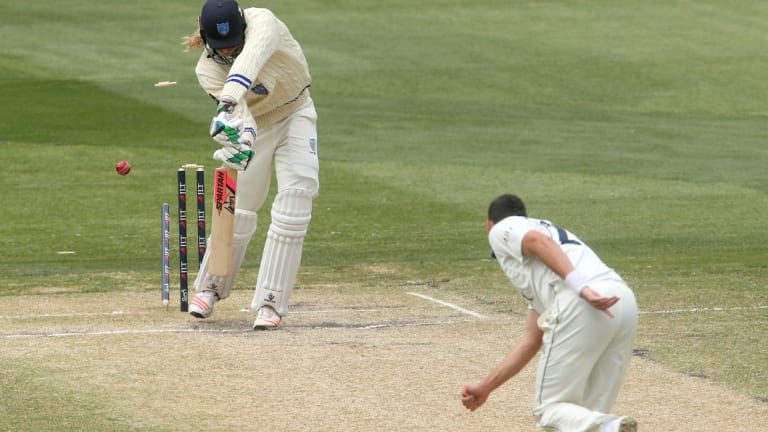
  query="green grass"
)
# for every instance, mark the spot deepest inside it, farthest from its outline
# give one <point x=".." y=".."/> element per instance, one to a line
<point x="638" y="125"/>
<point x="45" y="402"/>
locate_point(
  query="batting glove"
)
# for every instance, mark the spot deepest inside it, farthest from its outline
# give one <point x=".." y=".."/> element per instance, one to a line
<point x="228" y="130"/>
<point x="236" y="157"/>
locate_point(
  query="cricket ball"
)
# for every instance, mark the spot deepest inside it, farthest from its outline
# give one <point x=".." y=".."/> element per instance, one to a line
<point x="123" y="167"/>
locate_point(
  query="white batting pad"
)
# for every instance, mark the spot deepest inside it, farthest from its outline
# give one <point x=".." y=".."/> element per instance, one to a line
<point x="245" y="226"/>
<point x="291" y="213"/>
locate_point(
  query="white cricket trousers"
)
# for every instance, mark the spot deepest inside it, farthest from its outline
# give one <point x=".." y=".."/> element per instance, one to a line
<point x="292" y="145"/>
<point x="584" y="357"/>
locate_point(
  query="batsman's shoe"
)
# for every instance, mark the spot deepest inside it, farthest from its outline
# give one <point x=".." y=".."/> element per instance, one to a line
<point x="201" y="305"/>
<point x="620" y="424"/>
<point x="267" y="319"/>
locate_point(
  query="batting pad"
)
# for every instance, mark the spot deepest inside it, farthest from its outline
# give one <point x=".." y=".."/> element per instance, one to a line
<point x="291" y="213"/>
<point x="245" y="227"/>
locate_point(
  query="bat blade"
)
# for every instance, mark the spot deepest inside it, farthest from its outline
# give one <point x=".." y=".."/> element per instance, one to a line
<point x="223" y="222"/>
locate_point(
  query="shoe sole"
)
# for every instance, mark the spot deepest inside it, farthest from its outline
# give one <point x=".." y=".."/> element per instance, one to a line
<point x="266" y="325"/>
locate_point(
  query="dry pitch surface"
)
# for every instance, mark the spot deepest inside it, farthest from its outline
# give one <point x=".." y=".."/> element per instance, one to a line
<point x="379" y="359"/>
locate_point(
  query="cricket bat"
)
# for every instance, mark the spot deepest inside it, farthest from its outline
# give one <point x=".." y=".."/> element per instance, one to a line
<point x="223" y="222"/>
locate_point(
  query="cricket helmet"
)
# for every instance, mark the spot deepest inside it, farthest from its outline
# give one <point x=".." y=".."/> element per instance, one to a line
<point x="222" y="24"/>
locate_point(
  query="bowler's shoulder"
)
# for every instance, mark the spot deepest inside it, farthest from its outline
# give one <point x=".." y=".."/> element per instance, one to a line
<point x="508" y="226"/>
<point x="515" y="221"/>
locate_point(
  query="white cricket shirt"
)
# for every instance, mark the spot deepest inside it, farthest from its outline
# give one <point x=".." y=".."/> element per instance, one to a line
<point x="270" y="73"/>
<point x="536" y="282"/>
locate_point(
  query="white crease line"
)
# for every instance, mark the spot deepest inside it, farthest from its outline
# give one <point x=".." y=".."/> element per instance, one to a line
<point x="169" y="331"/>
<point x="364" y="327"/>
<point x="706" y="309"/>
<point x="116" y="332"/>
<point x="451" y="305"/>
<point x="120" y="313"/>
<point x="327" y="311"/>
<point x="114" y="313"/>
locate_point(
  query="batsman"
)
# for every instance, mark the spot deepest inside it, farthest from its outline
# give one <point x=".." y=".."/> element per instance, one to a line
<point x="258" y="77"/>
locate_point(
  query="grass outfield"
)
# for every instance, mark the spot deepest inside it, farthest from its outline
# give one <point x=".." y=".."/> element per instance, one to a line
<point x="641" y="126"/>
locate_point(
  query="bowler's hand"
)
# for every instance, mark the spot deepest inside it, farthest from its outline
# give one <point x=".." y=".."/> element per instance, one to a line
<point x="473" y="396"/>
<point x="599" y="302"/>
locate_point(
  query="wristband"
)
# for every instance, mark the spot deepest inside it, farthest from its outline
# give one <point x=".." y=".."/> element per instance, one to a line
<point x="576" y="281"/>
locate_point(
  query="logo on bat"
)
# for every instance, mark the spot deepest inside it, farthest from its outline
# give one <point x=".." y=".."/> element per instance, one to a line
<point x="224" y="192"/>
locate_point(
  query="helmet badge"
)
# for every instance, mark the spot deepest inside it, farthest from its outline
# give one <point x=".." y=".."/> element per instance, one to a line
<point x="222" y="28"/>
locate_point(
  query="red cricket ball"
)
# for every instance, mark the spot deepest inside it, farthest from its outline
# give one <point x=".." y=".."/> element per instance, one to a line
<point x="123" y="167"/>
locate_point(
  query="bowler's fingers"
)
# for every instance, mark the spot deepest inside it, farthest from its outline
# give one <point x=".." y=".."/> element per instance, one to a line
<point x="469" y="400"/>
<point x="606" y="304"/>
<point x="470" y="405"/>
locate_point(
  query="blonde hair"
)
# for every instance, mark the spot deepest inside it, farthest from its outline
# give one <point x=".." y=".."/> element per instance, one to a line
<point x="193" y="41"/>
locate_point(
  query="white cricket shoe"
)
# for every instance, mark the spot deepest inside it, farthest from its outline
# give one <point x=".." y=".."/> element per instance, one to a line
<point x="267" y="319"/>
<point x="201" y="305"/>
<point x="620" y="424"/>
